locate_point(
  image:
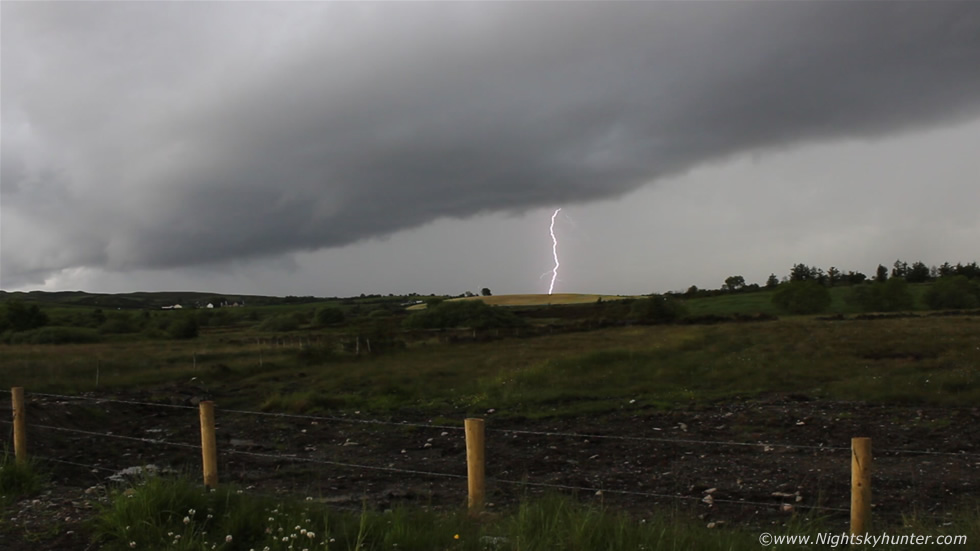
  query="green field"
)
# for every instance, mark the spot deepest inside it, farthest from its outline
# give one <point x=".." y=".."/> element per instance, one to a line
<point x="562" y="371"/>
<point x="570" y="359"/>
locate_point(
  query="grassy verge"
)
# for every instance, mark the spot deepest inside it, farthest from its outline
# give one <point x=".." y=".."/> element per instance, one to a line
<point x="177" y="514"/>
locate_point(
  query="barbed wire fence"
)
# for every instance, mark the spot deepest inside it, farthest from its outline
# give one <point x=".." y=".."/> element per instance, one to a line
<point x="706" y="497"/>
<point x="766" y="445"/>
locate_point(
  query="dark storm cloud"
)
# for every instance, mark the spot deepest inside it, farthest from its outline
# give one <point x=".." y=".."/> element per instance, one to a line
<point x="153" y="135"/>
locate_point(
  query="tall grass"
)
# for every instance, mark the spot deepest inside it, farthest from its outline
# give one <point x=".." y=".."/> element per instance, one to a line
<point x="17" y="480"/>
<point x="179" y="515"/>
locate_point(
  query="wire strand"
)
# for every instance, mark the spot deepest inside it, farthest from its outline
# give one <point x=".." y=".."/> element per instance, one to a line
<point x="724" y="442"/>
<point x="281" y="457"/>
<point x="120" y="436"/>
<point x="110" y="400"/>
<point x="669" y="440"/>
<point x="342" y="419"/>
<point x="658" y="496"/>
<point x="250" y="412"/>
<point x="342" y="464"/>
<point x="681" y="441"/>
<point x="87" y="466"/>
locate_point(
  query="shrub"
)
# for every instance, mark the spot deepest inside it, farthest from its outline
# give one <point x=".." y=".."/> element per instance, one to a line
<point x="183" y="328"/>
<point x="329" y="315"/>
<point x="15" y="316"/>
<point x="119" y="324"/>
<point x="157" y="327"/>
<point x="474" y="314"/>
<point x="802" y="297"/>
<point x="218" y="318"/>
<point x="889" y="296"/>
<point x="658" y="309"/>
<point x="282" y="322"/>
<point x="953" y="292"/>
<point x="380" y="313"/>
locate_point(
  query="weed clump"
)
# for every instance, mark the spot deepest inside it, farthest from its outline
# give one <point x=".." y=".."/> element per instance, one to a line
<point x="16" y="479"/>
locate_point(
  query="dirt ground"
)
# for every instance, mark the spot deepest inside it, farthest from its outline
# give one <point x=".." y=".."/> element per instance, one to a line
<point x="754" y="463"/>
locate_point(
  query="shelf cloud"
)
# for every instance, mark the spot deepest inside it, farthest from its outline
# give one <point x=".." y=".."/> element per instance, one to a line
<point x="152" y="135"/>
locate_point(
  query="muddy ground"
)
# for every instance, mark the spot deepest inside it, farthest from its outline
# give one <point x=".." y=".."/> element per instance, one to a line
<point x="794" y="459"/>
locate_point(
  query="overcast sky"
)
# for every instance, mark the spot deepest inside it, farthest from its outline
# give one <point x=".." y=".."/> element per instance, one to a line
<point x="334" y="149"/>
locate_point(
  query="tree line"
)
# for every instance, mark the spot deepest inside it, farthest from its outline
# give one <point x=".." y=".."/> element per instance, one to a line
<point x="917" y="272"/>
<point x="806" y="291"/>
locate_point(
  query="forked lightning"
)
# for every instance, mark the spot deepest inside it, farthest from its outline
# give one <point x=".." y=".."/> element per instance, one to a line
<point x="554" y="252"/>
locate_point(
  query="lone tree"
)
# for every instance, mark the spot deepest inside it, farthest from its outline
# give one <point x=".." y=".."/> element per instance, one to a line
<point x="772" y="282"/>
<point x="833" y="275"/>
<point x="881" y="275"/>
<point x="486" y="292"/>
<point x="900" y="269"/>
<point x="734" y="283"/>
<point x="800" y="272"/>
<point x="918" y="273"/>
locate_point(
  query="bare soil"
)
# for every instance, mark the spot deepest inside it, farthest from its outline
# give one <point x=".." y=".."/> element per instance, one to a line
<point x="793" y="458"/>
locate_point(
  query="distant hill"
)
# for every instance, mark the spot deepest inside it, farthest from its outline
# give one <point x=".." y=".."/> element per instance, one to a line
<point x="145" y="300"/>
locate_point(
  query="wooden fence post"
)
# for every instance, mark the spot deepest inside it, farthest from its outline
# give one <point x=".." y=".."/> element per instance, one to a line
<point x="209" y="448"/>
<point x="860" y="485"/>
<point x="20" y="424"/>
<point x="475" y="464"/>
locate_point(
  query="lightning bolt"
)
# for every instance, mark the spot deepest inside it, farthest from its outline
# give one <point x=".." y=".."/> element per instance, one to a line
<point x="554" y="252"/>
